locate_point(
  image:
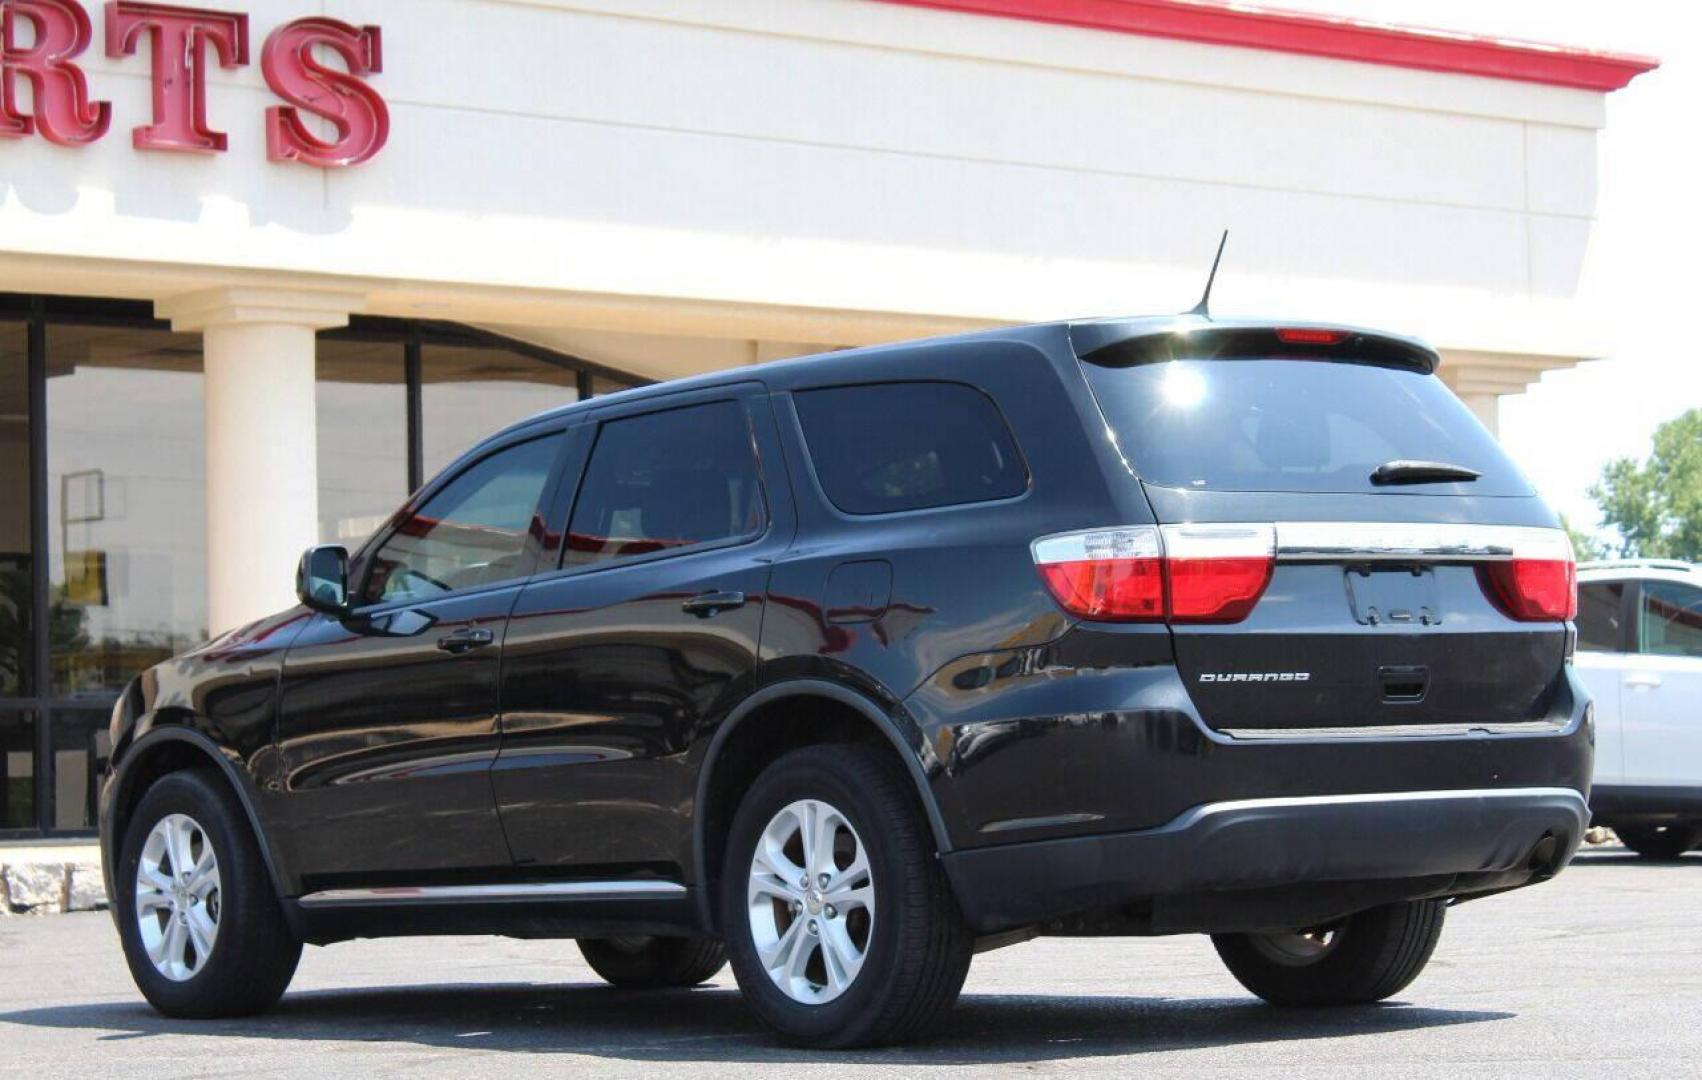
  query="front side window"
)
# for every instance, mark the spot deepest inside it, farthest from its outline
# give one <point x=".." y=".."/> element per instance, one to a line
<point x="1672" y="619"/>
<point x="665" y="481"/>
<point x="471" y="533"/>
<point x="909" y="446"/>
<point x="1600" y="625"/>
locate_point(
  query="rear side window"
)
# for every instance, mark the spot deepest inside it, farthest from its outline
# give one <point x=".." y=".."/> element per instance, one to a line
<point x="1600" y="622"/>
<point x="1293" y="425"/>
<point x="1672" y="619"/>
<point x="888" y="447"/>
<point x="668" y="480"/>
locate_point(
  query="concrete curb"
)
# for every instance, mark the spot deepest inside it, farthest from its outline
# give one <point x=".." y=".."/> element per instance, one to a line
<point x="50" y="881"/>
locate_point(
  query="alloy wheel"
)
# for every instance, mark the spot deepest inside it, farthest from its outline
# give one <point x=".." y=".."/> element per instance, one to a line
<point x="179" y="897"/>
<point x="811" y="901"/>
<point x="1300" y="949"/>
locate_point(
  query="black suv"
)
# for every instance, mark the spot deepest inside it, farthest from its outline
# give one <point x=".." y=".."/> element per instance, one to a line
<point x="850" y="667"/>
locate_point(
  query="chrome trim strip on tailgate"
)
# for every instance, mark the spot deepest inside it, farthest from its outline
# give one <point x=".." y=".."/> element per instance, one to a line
<point x="1321" y="541"/>
<point x="585" y="890"/>
<point x="1397" y="731"/>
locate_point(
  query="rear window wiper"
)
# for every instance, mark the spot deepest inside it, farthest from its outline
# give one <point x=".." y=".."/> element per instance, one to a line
<point x="1421" y="472"/>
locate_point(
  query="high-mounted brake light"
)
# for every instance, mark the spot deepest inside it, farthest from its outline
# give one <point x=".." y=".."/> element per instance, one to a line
<point x="1180" y="573"/>
<point x="1305" y="335"/>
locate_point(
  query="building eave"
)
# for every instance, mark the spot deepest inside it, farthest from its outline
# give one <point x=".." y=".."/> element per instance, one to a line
<point x="1336" y="37"/>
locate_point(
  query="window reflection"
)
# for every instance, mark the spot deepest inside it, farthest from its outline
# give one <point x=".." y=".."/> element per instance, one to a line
<point x="126" y="503"/>
<point x="471" y="391"/>
<point x="14" y="511"/>
<point x="17" y="771"/>
<point x="361" y="399"/>
<point x="81" y="746"/>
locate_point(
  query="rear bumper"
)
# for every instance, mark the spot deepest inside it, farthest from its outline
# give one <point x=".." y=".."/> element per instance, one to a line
<point x="1415" y="843"/>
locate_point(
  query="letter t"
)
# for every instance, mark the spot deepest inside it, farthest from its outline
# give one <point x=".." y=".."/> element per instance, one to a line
<point x="180" y="39"/>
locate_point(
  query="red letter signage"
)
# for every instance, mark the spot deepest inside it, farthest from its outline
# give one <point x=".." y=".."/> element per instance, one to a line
<point x="354" y="108"/>
<point x="63" y="112"/>
<point x="180" y="39"/>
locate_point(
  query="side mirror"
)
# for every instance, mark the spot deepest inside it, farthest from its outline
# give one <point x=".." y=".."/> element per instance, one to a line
<point x="322" y="579"/>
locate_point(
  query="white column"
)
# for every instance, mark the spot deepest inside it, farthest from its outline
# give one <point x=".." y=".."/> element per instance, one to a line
<point x="1487" y="406"/>
<point x="262" y="438"/>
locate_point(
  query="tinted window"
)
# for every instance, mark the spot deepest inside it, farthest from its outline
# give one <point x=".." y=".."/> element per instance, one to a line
<point x="1599" y="616"/>
<point x="1672" y="619"/>
<point x="1293" y="425"/>
<point x="667" y="480"/>
<point x="908" y="446"/>
<point x="472" y="532"/>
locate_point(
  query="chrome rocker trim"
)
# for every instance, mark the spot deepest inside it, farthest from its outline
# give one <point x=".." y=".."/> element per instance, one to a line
<point x="428" y="894"/>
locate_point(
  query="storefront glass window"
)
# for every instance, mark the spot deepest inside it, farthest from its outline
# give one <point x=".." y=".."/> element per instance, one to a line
<point x="126" y="503"/>
<point x="362" y="405"/>
<point x="15" y="621"/>
<point x="470" y="392"/>
<point x="81" y="746"/>
<point x="17" y="771"/>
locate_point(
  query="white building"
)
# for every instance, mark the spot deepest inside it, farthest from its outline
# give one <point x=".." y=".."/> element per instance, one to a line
<point x="231" y="328"/>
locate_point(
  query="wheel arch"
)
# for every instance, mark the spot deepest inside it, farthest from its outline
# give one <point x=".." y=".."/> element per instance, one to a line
<point x="772" y="706"/>
<point x="169" y="749"/>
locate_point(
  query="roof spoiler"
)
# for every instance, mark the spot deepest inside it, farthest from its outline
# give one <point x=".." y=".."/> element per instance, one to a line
<point x="1113" y="344"/>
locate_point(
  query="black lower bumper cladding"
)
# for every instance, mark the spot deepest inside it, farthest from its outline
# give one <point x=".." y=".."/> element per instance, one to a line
<point x="1430" y="839"/>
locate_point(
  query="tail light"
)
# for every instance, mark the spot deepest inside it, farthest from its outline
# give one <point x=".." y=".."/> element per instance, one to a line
<point x="1178" y="573"/>
<point x="1538" y="584"/>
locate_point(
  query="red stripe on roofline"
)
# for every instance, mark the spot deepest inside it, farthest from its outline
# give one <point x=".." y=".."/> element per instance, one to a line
<point x="1337" y="37"/>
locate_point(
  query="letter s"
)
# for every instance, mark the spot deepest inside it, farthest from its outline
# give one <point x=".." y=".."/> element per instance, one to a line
<point x="343" y="98"/>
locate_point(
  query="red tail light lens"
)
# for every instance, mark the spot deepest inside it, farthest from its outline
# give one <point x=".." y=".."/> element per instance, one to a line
<point x="1535" y="590"/>
<point x="1110" y="575"/>
<point x="1183" y="574"/>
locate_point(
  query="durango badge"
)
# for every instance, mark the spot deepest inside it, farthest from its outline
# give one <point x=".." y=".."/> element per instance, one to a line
<point x="1258" y="676"/>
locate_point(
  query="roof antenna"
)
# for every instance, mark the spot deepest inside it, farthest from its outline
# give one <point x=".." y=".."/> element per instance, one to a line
<point x="1203" y="308"/>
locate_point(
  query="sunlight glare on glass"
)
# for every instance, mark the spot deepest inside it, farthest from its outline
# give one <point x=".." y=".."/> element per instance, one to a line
<point x="1183" y="387"/>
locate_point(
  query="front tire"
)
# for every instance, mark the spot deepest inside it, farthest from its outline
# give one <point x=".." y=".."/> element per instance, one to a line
<point x="653" y="962"/>
<point x="1367" y="957"/>
<point x="1660" y="841"/>
<point x="201" y="927"/>
<point x="839" y="921"/>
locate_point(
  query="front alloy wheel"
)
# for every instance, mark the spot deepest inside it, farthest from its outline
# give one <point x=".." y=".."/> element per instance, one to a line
<point x="811" y="902"/>
<point x="178" y="898"/>
<point x="202" y="929"/>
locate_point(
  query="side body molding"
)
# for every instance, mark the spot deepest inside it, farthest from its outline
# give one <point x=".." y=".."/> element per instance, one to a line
<point x="802" y="688"/>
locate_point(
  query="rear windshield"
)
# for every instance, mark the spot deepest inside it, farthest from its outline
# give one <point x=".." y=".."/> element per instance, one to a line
<point x="1293" y="425"/>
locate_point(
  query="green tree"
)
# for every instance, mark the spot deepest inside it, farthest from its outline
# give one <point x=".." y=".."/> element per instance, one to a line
<point x="1656" y="505"/>
<point x="1586" y="547"/>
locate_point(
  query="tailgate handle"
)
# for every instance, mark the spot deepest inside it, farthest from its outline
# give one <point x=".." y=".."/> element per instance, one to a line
<point x="1404" y="684"/>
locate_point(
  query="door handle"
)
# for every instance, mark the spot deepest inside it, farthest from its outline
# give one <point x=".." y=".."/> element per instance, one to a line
<point x="1642" y="680"/>
<point x="710" y="604"/>
<point x="465" y="641"/>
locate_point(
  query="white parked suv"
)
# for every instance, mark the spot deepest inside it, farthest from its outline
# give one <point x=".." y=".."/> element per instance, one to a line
<point x="1640" y="655"/>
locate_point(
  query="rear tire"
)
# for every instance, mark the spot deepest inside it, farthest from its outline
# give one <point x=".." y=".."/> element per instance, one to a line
<point x="1368" y="957"/>
<point x="1660" y="841"/>
<point x="876" y="954"/>
<point x="189" y="825"/>
<point x="653" y="962"/>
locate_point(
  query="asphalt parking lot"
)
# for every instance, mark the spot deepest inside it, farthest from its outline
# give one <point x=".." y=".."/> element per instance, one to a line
<point x="1598" y="972"/>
